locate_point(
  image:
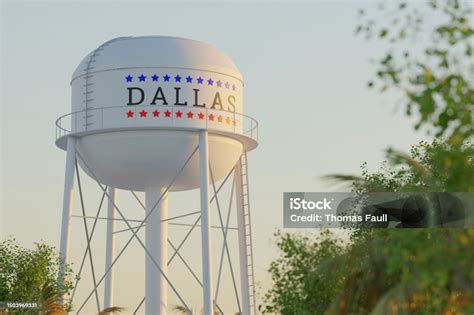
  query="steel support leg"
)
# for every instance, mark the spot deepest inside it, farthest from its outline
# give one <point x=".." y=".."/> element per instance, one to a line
<point x="156" y="239"/>
<point x="205" y="222"/>
<point x="110" y="249"/>
<point x="68" y="199"/>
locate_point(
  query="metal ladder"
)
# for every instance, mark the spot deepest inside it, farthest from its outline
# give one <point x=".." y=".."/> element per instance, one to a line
<point x="248" y="232"/>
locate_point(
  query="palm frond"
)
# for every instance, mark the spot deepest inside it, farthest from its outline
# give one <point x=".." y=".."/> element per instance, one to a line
<point x="112" y="310"/>
<point x="180" y="309"/>
<point x="395" y="295"/>
<point x="352" y="180"/>
<point x="49" y="301"/>
<point x="343" y="178"/>
<point x="401" y="157"/>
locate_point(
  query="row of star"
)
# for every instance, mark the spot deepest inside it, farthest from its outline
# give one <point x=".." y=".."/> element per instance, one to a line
<point x="177" y="78"/>
<point x="179" y="114"/>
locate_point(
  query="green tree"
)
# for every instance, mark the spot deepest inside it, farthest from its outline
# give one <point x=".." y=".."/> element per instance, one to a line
<point x="300" y="282"/>
<point x="428" y="167"/>
<point x="429" y="60"/>
<point x="30" y="275"/>
<point x="417" y="271"/>
<point x="409" y="271"/>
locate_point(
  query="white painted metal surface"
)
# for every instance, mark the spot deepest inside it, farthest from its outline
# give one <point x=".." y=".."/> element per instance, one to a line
<point x="136" y="159"/>
<point x="205" y="223"/>
<point x="156" y="240"/>
<point x="140" y="108"/>
<point x="244" y="277"/>
<point x="110" y="249"/>
<point x="154" y="82"/>
<point x="68" y="198"/>
<point x="159" y="52"/>
<point x="244" y="196"/>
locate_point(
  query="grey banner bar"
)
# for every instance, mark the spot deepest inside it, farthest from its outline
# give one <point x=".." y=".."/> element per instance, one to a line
<point x="378" y="210"/>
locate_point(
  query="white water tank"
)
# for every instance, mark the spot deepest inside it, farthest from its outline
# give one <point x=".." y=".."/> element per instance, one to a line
<point x="138" y="102"/>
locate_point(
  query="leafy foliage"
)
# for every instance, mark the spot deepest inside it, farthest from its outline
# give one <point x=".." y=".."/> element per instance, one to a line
<point x="435" y="79"/>
<point x="30" y="275"/>
<point x="435" y="166"/>
<point x="418" y="271"/>
<point x="300" y="283"/>
<point x="409" y="271"/>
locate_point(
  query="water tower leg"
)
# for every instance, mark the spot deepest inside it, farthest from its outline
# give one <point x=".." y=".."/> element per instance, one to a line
<point x="110" y="249"/>
<point x="156" y="241"/>
<point x="205" y="222"/>
<point x="68" y="198"/>
<point x="244" y="276"/>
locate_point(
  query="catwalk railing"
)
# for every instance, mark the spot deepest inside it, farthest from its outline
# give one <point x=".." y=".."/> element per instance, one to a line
<point x="156" y="116"/>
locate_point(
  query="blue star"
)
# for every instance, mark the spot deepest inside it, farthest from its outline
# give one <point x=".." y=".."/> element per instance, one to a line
<point x="167" y="78"/>
<point x="200" y="80"/>
<point x="189" y="79"/>
<point x="227" y="85"/>
<point x="210" y="82"/>
<point x="142" y="78"/>
<point x="219" y="83"/>
<point x="233" y="87"/>
<point x="154" y="77"/>
<point x="177" y="78"/>
<point x="129" y="78"/>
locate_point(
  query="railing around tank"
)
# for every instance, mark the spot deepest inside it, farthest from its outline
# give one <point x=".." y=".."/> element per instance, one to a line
<point x="105" y="117"/>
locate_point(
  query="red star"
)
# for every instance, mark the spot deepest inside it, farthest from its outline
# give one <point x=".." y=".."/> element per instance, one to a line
<point x="201" y="116"/>
<point x="143" y="113"/>
<point x="167" y="113"/>
<point x="129" y="114"/>
<point x="219" y="118"/>
<point x="227" y="120"/>
<point x="179" y="114"/>
<point x="211" y="117"/>
<point x="156" y="113"/>
<point x="190" y="115"/>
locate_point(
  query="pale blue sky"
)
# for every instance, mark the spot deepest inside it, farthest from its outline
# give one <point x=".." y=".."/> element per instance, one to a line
<point x="305" y="79"/>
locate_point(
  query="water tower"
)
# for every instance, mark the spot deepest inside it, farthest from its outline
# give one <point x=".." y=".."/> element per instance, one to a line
<point x="159" y="115"/>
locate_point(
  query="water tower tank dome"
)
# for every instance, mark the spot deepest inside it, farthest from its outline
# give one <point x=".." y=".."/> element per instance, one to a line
<point x="156" y="52"/>
<point x="139" y="103"/>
